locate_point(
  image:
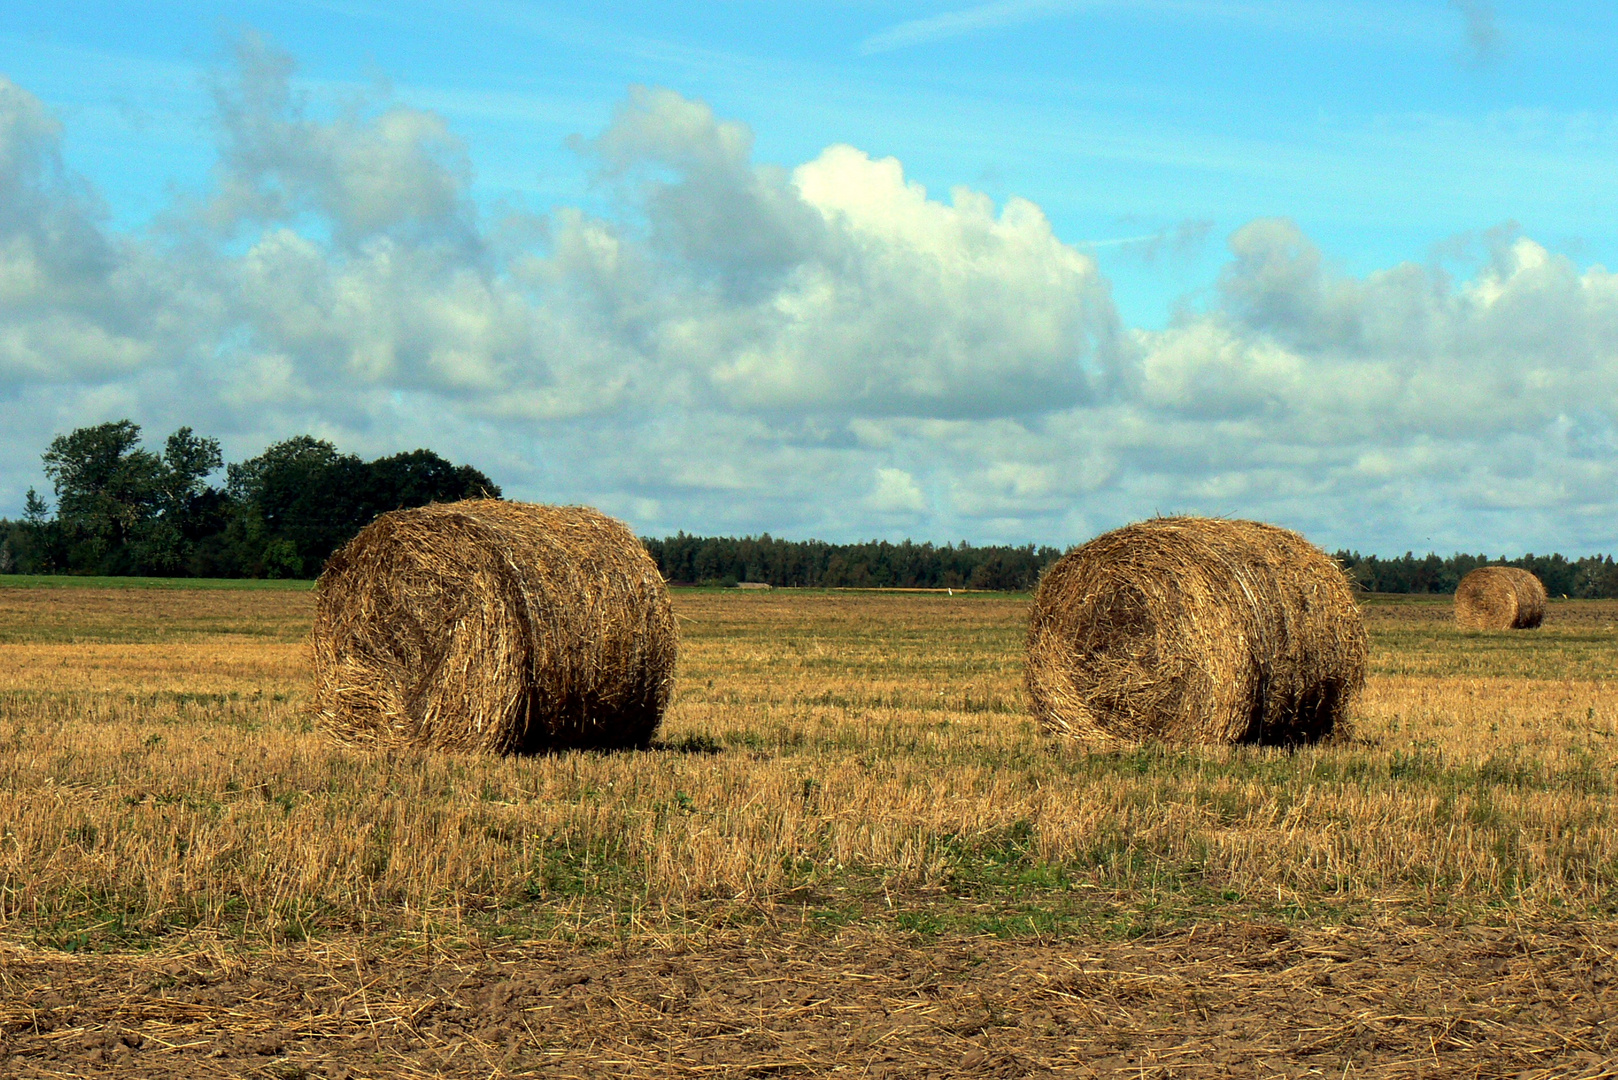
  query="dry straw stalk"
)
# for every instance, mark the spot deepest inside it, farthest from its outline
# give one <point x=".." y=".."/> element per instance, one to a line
<point x="491" y="625"/>
<point x="1194" y="630"/>
<point x="1500" y="598"/>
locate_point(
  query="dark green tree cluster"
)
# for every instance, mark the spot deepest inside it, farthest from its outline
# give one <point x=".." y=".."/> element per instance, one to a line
<point x="123" y="509"/>
<point x="876" y="564"/>
<point x="1591" y="577"/>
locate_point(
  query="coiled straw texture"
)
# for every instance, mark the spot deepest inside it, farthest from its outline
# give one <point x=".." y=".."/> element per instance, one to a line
<point x="1191" y="630"/>
<point x="1500" y="598"/>
<point x="492" y="625"/>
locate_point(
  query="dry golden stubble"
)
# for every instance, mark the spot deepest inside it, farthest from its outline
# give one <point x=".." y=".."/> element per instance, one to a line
<point x="497" y="626"/>
<point x="81" y="615"/>
<point x="1194" y="630"/>
<point x="225" y="665"/>
<point x="1500" y="598"/>
<point x="157" y="815"/>
<point x="817" y="741"/>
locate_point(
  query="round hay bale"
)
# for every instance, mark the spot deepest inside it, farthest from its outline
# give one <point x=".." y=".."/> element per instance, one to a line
<point x="1194" y="630"/>
<point x="1500" y="598"/>
<point x="491" y="625"/>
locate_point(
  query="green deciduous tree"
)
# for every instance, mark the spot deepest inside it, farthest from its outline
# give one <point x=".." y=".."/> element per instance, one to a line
<point x="108" y="490"/>
<point x="419" y="477"/>
<point x="304" y="492"/>
<point x="302" y="499"/>
<point x="123" y="509"/>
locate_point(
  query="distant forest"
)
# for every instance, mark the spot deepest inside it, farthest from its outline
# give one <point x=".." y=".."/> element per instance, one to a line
<point x="121" y="509"/>
<point x="814" y="563"/>
<point x="876" y="564"/>
<point x="1588" y="578"/>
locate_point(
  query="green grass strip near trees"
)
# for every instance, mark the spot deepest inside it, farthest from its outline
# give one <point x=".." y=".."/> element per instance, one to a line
<point x="76" y="581"/>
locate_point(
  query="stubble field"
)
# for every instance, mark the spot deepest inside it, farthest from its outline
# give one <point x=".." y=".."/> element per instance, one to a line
<point x="850" y="854"/>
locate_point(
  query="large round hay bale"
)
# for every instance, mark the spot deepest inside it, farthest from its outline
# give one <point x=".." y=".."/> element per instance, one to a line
<point x="490" y="625"/>
<point x="1500" y="598"/>
<point x="1194" y="630"/>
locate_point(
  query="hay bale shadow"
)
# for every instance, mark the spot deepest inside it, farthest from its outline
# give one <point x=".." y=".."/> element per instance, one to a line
<point x="699" y="744"/>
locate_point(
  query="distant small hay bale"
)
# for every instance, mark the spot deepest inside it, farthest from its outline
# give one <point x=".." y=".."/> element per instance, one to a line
<point x="1194" y="630"/>
<point x="497" y="626"/>
<point x="1500" y="598"/>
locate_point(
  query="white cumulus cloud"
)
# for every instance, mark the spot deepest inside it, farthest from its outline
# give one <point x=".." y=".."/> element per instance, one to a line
<point x="842" y="287"/>
<point x="896" y="492"/>
<point x="74" y="303"/>
<point x="822" y="347"/>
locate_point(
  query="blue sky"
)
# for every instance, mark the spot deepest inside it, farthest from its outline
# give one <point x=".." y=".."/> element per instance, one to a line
<point x="1337" y="265"/>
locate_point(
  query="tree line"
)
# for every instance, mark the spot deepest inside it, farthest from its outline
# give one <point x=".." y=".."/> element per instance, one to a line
<point x="723" y="560"/>
<point x="1591" y="577"/>
<point x="816" y="564"/>
<point x="123" y="509"/>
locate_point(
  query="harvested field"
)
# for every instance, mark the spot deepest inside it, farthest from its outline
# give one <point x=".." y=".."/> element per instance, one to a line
<point x="850" y="853"/>
<point x="1240" y="999"/>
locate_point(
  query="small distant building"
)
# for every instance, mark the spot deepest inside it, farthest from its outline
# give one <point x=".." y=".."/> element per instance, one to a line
<point x="752" y="585"/>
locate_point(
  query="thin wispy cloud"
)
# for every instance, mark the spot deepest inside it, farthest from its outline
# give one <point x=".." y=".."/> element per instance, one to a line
<point x="971" y="20"/>
<point x="1180" y="241"/>
<point x="1331" y="19"/>
<point x="1481" y="43"/>
<point x="1117" y="241"/>
<point x="1148" y="248"/>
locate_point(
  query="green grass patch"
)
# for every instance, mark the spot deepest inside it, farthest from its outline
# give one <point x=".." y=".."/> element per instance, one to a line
<point x="74" y="581"/>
